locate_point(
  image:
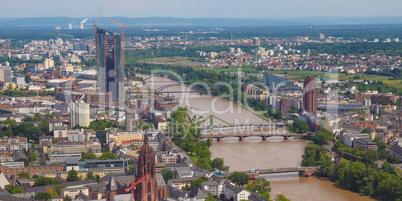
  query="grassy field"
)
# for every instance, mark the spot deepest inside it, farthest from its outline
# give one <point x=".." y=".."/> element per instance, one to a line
<point x="230" y="69"/>
<point x="171" y="61"/>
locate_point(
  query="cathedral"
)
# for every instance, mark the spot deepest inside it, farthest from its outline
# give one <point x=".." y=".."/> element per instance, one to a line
<point x="151" y="188"/>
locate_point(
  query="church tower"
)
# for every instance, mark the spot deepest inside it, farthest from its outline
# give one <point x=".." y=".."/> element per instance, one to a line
<point x="146" y="190"/>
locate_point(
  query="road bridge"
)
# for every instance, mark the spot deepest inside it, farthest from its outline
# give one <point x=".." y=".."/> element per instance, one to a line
<point x="303" y="171"/>
<point x="263" y="135"/>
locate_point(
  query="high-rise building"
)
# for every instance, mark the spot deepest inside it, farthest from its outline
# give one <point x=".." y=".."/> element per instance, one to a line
<point x="256" y="41"/>
<point x="49" y="63"/>
<point x="310" y="94"/>
<point x="5" y="74"/>
<point x="79" y="114"/>
<point x="322" y="36"/>
<point x="131" y="113"/>
<point x="79" y="46"/>
<point x="109" y="55"/>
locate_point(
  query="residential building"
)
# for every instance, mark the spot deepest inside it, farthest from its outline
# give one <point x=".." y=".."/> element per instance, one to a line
<point x="214" y="187"/>
<point x="12" y="173"/>
<point x="79" y="114"/>
<point x="13" y="143"/>
<point x="72" y="192"/>
<point x="365" y="144"/>
<point x="235" y="193"/>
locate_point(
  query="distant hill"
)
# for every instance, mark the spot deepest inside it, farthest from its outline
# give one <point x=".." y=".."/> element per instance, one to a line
<point x="63" y="22"/>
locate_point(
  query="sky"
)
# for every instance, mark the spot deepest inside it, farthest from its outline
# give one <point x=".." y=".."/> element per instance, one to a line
<point x="200" y="8"/>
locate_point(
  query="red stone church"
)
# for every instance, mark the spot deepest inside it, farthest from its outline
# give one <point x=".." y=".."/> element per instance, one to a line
<point x="152" y="188"/>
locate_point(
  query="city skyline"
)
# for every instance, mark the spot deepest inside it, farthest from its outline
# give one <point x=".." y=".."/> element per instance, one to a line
<point x="202" y="9"/>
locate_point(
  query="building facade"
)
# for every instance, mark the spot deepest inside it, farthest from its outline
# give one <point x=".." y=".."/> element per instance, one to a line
<point x="310" y="94"/>
<point x="79" y="114"/>
<point x="110" y="64"/>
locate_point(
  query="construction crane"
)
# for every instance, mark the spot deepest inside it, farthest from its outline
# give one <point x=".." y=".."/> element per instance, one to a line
<point x="132" y="186"/>
<point x="96" y="46"/>
<point x="122" y="32"/>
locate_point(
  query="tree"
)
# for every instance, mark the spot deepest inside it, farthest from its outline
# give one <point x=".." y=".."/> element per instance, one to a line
<point x="89" y="155"/>
<point x="51" y="191"/>
<point x="261" y="187"/>
<point x="168" y="175"/>
<point x="73" y="176"/>
<point x="210" y="197"/>
<point x="43" y="196"/>
<point x="205" y="153"/>
<point x="90" y="175"/>
<point x="44" y="127"/>
<point x="208" y="142"/>
<point x="14" y="189"/>
<point x="67" y="198"/>
<point x="28" y="79"/>
<point x="323" y="136"/>
<point x="24" y="175"/>
<point x="218" y="163"/>
<point x="204" y="163"/>
<point x="240" y="178"/>
<point x="17" y="190"/>
<point x="299" y="126"/>
<point x="107" y="155"/>
<point x="44" y="181"/>
<point x="37" y="117"/>
<point x="370" y="157"/>
<point x="281" y="197"/>
<point x="58" y="188"/>
<point x="197" y="182"/>
<point x="365" y="130"/>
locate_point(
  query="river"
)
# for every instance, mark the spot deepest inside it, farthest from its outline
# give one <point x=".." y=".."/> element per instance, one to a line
<point x="275" y="152"/>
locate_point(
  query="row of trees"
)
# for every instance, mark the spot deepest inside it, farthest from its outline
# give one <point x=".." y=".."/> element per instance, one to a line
<point x="359" y="176"/>
<point x="25" y="129"/>
<point x="106" y="155"/>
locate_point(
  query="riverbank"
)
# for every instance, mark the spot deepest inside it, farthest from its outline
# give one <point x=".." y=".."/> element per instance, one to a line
<point x="278" y="153"/>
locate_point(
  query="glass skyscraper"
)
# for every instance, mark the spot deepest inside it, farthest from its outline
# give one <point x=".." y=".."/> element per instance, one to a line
<point x="109" y="55"/>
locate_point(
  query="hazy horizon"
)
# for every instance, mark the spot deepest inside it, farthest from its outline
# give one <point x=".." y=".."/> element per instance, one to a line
<point x="250" y="9"/>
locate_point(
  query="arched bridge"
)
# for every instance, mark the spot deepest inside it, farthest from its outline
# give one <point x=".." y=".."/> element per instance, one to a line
<point x="180" y="88"/>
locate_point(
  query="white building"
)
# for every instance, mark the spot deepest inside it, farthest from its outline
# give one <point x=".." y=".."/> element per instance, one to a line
<point x="214" y="187"/>
<point x="79" y="114"/>
<point x="49" y="63"/>
<point x="235" y="193"/>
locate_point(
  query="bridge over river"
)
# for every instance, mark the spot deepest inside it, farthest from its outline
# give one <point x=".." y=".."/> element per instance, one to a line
<point x="242" y="132"/>
<point x="303" y="171"/>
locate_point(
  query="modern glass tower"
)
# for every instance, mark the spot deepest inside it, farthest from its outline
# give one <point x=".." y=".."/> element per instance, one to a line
<point x="109" y="55"/>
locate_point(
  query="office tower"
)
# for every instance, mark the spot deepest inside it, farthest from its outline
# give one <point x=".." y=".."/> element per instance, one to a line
<point x="310" y="94"/>
<point x="5" y="74"/>
<point x="130" y="118"/>
<point x="79" y="114"/>
<point x="256" y="41"/>
<point x="109" y="55"/>
<point x="79" y="47"/>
